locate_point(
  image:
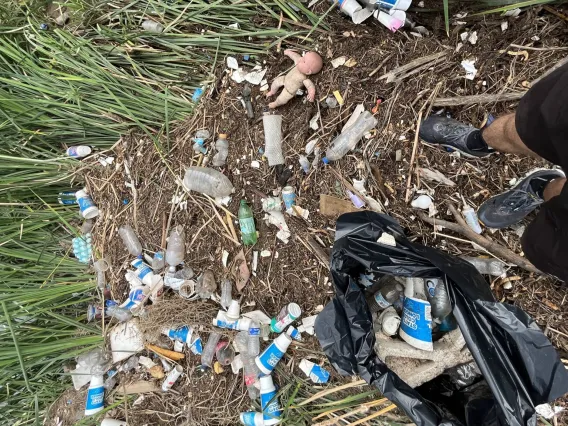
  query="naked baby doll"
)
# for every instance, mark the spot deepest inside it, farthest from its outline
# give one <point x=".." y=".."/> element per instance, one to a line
<point x="309" y="64"/>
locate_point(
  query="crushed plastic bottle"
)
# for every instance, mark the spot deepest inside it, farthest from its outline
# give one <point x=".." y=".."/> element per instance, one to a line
<point x="304" y="163"/>
<point x="251" y="373"/>
<point x="206" y="284"/>
<point x="130" y="364"/>
<point x="222" y="147"/>
<point x="348" y="140"/>
<point x="226" y="293"/>
<point x="246" y="222"/>
<point x="207" y="181"/>
<point x="253" y="341"/>
<point x="209" y="350"/>
<point x="388" y="294"/>
<point x="471" y="219"/>
<point x="437" y="295"/>
<point x="111" y="380"/>
<point x="130" y="240"/>
<point x="199" y="140"/>
<point x="115" y="311"/>
<point x="175" y="251"/>
<point x="485" y="266"/>
<point x="101" y="266"/>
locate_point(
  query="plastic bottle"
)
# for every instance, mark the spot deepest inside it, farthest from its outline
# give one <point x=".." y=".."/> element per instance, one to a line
<point x="251" y="373"/>
<point x="273" y="138"/>
<point x="172" y="377"/>
<point x="136" y="297"/>
<point x="209" y="349"/>
<point x="268" y="359"/>
<point x="95" y="396"/>
<point x="226" y="293"/>
<point x="253" y="343"/>
<point x="201" y="136"/>
<point x="347" y="140"/>
<point x="287" y="315"/>
<point x="269" y="403"/>
<point x="252" y="418"/>
<point x="207" y="181"/>
<point x="385" y="297"/>
<point x="492" y="267"/>
<point x="206" y="284"/>
<point x="101" y="266"/>
<point x="130" y="364"/>
<point x="294" y="333"/>
<point x="143" y="271"/>
<point x="185" y="334"/>
<point x="222" y="147"/>
<point x="130" y="240"/>
<point x="158" y="261"/>
<point x="78" y="151"/>
<point x="471" y="219"/>
<point x="242" y="324"/>
<point x="246" y="222"/>
<point x="437" y="295"/>
<point x="175" y="251"/>
<point x="416" y="326"/>
<point x="316" y="373"/>
<point x="152" y="26"/>
<point x="241" y="342"/>
<point x="304" y="163"/>
<point x="111" y="381"/>
<point x="224" y="353"/>
<point x="86" y="204"/>
<point x="234" y="311"/>
<point x="115" y="311"/>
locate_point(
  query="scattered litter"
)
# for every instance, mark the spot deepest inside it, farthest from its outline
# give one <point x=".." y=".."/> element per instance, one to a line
<point x="504" y="26"/>
<point x="458" y="47"/>
<point x="387" y="239"/>
<point x="470" y="70"/>
<point x="331" y="102"/>
<point x="471" y="219"/>
<point x="232" y="63"/>
<point x="310" y="146"/>
<point x="125" y="340"/>
<point x="79" y="151"/>
<point x="547" y="411"/>
<point x="337" y="62"/>
<point x="422" y="202"/>
<point x="513" y="13"/>
<point x="241" y="271"/>
<point x="316" y="373"/>
<point x="420" y="4"/>
<point x="354" y="116"/>
<point x="256" y="76"/>
<point x="353" y="9"/>
<point x="463" y="36"/>
<point x="255" y="164"/>
<point x="314" y="122"/>
<point x="522" y="53"/>
<point x="398" y="155"/>
<point x="152" y="26"/>
<point x="254" y="262"/>
<point x="472" y="38"/>
<point x="338" y="96"/>
<point x="357" y="202"/>
<point x="273" y="138"/>
<point x="265" y="253"/>
<point x="225" y="258"/>
<point x="350" y="63"/>
<point x="435" y="175"/>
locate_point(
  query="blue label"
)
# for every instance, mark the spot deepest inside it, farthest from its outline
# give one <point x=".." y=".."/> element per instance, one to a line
<point x="250" y="418"/>
<point x="110" y="303"/>
<point x="270" y="357"/>
<point x="159" y="255"/>
<point x="319" y="375"/>
<point x="143" y="271"/>
<point x="289" y="200"/>
<point x="431" y="286"/>
<point x="294" y="334"/>
<point x="417" y="319"/>
<point x="227" y="324"/>
<point x="197" y="94"/>
<point x="381" y="301"/>
<point x="341" y="2"/>
<point x="85" y="203"/>
<point x="95" y="398"/>
<point x="254" y="331"/>
<point x="197" y="347"/>
<point x="182" y="334"/>
<point x="270" y="410"/>
<point x="66" y="202"/>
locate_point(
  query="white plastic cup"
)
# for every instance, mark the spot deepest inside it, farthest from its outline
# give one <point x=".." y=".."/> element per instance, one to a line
<point x="113" y="422"/>
<point x="95" y="396"/>
<point x="172" y="377"/>
<point x="222" y="321"/>
<point x="252" y="418"/>
<point x="390" y="321"/>
<point x="394" y="4"/>
<point x="78" y="151"/>
<point x="314" y="371"/>
<point x="234" y="311"/>
<point x="270" y="405"/>
<point x="86" y="205"/>
<point x="389" y="21"/>
<point x="178" y="346"/>
<point x="268" y="359"/>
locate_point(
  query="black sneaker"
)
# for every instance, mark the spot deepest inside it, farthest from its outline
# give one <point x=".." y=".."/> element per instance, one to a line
<point x="511" y="206"/>
<point x="452" y="134"/>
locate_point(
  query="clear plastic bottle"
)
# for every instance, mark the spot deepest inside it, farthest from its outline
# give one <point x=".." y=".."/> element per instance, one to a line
<point x="209" y="350"/>
<point x="226" y="293"/>
<point x="222" y="147"/>
<point x="158" y="260"/>
<point x="199" y="140"/>
<point x="121" y="314"/>
<point x="304" y="163"/>
<point x="224" y="353"/>
<point x="241" y="341"/>
<point x="347" y="140"/>
<point x="152" y="26"/>
<point x="251" y="373"/>
<point x="492" y="267"/>
<point x="207" y="181"/>
<point x="130" y="240"/>
<point x="437" y="295"/>
<point x="130" y="364"/>
<point x="253" y="341"/>
<point x="111" y="380"/>
<point x="386" y="296"/>
<point x="471" y="219"/>
<point x="175" y="251"/>
<point x="206" y="284"/>
<point x="246" y="222"/>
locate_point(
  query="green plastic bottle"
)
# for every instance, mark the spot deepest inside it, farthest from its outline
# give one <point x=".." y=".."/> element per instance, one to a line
<point x="246" y="221"/>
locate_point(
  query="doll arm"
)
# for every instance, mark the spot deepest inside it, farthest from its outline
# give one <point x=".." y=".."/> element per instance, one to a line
<point x="293" y="55"/>
<point x="311" y="89"/>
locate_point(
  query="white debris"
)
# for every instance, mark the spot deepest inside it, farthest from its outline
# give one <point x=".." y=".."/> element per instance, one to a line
<point x="314" y="123"/>
<point x="422" y="202"/>
<point x="508" y="285"/>
<point x="337" y="62"/>
<point x="373" y="204"/>
<point x="225" y="258"/>
<point x="458" y="47"/>
<point x="258" y="316"/>
<point x="318" y="308"/>
<point x="310" y="146"/>
<point x="504" y="26"/>
<point x="237" y="364"/>
<point x="420" y="4"/>
<point x="513" y="13"/>
<point x="435" y="175"/>
<point x="239" y="75"/>
<point x="387" y="240"/>
<point x="232" y="63"/>
<point x="547" y="411"/>
<point x="298" y="211"/>
<point x="469" y="67"/>
<point x="255" y="164"/>
<point x="354" y="116"/>
<point x="535" y="38"/>
<point x="264" y="88"/>
<point x="463" y="36"/>
<point x="309" y="321"/>
<point x="472" y="39"/>
<point x="461" y="15"/>
<point x="359" y="185"/>
<point x="256" y="76"/>
<point x="265" y="253"/>
<point x="398" y="155"/>
<point x="513" y="181"/>
<point x="421" y="30"/>
<point x="234" y="26"/>
<point x="254" y="261"/>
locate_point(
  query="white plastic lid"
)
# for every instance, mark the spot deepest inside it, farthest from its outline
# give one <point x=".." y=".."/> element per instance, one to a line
<point x="234" y="311"/>
<point x="294" y="310"/>
<point x="81" y="193"/>
<point x="306" y="366"/>
<point x="96" y="381"/>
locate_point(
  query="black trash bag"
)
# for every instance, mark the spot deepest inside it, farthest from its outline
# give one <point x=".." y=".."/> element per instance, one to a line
<point x="520" y="367"/>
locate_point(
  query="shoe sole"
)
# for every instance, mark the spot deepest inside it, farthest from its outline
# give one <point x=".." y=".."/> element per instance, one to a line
<point x="465" y="154"/>
<point x="538" y="169"/>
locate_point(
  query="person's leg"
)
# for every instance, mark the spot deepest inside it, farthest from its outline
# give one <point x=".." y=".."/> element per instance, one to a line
<point x="553" y="188"/>
<point x="502" y="136"/>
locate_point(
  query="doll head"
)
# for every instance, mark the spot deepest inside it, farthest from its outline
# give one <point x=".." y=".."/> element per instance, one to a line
<point x="311" y="63"/>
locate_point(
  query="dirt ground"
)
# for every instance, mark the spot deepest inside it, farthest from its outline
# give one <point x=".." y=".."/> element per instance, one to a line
<point x="292" y="273"/>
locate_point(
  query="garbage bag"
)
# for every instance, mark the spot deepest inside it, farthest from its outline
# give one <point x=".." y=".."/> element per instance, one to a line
<point x="520" y="367"/>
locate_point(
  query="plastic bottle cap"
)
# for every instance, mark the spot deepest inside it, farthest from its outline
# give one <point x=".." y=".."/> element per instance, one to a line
<point x="294" y="310"/>
<point x="306" y="366"/>
<point x="325" y="160"/>
<point x="234" y="311"/>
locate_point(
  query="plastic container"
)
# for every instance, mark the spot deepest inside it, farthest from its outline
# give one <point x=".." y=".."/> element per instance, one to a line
<point x="294" y="333"/>
<point x="269" y="403"/>
<point x="113" y="422"/>
<point x="187" y="335"/>
<point x="304" y="163"/>
<point x="386" y="296"/>
<point x="101" y="266"/>
<point x="352" y="8"/>
<point x="273" y="138"/>
<point x="471" y="219"/>
<point x="172" y="377"/>
<point x="484" y="266"/>
<point x="416" y="326"/>
<point x="348" y="140"/>
<point x="437" y="295"/>
<point x="197" y="94"/>
<point x="222" y="147"/>
<point x="206" y="284"/>
<point x="314" y="371"/>
<point x="251" y="373"/>
<point x="86" y="205"/>
<point x="226" y="293"/>
<point x="201" y="135"/>
<point x="152" y="26"/>
<point x="390" y="321"/>
<point x="224" y="353"/>
<point x="207" y="181"/>
<point x="130" y="364"/>
<point x="79" y="151"/>
<point x="158" y="261"/>
<point x="253" y="341"/>
<point x="115" y="311"/>
<point x="268" y="359"/>
<point x="209" y="349"/>
<point x="246" y="222"/>
<point x="175" y="251"/>
<point x="241" y="342"/>
<point x="242" y="324"/>
<point x="95" y="396"/>
<point x="287" y="315"/>
<point x="252" y="418"/>
<point x="234" y="311"/>
<point x="130" y="240"/>
<point x="289" y="197"/>
<point x="143" y="272"/>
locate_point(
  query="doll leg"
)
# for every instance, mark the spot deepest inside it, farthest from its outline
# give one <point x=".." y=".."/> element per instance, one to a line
<point x="282" y="99"/>
<point x="276" y="84"/>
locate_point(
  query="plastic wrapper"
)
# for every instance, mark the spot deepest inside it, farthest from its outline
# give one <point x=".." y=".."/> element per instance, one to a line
<point x="520" y="367"/>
